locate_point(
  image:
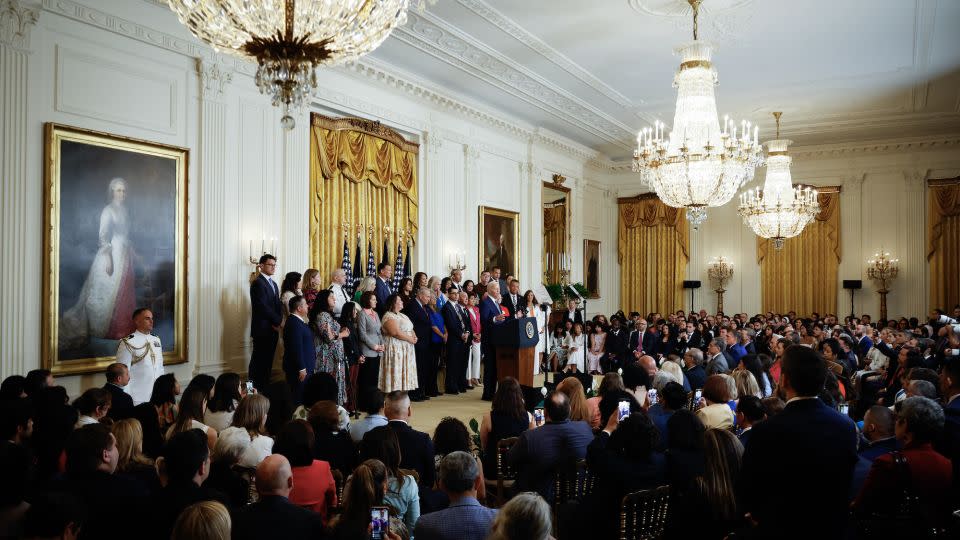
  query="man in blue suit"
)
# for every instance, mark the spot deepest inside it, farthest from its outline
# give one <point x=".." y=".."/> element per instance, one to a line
<point x="538" y="452"/>
<point x="490" y="317"/>
<point x="864" y="343"/>
<point x="384" y="289"/>
<point x="299" y="356"/>
<point x="812" y="447"/>
<point x="641" y="341"/>
<point x="465" y="518"/>
<point x="458" y="337"/>
<point x="416" y="311"/>
<point x="949" y="443"/>
<point x="265" y="324"/>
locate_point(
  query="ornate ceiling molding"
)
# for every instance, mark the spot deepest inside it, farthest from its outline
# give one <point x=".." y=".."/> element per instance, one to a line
<point x="509" y="27"/>
<point x="444" y="42"/>
<point x="726" y="20"/>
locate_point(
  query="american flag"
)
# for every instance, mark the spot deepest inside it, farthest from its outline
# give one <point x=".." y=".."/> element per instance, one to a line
<point x="371" y="265"/>
<point x="357" y="265"/>
<point x="347" y="269"/>
<point x="398" y="268"/>
<point x="406" y="263"/>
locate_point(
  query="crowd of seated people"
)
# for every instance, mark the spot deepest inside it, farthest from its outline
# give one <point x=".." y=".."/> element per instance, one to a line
<point x="839" y="430"/>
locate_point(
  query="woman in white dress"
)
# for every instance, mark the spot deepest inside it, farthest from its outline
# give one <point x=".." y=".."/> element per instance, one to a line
<point x="108" y="298"/>
<point x="558" y="348"/>
<point x="398" y="366"/>
<point x="251" y="415"/>
<point x="533" y="310"/>
<point x="596" y="350"/>
<point x="576" y="349"/>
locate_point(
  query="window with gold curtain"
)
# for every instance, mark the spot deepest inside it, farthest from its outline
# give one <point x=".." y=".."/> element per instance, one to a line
<point x="362" y="174"/>
<point x="653" y="252"/>
<point x="554" y="237"/>
<point x="943" y="242"/>
<point x="802" y="277"/>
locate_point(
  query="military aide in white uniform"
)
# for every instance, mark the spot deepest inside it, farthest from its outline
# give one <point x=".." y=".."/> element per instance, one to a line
<point x="142" y="353"/>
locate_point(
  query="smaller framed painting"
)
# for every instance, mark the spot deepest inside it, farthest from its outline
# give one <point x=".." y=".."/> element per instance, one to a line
<point x="591" y="267"/>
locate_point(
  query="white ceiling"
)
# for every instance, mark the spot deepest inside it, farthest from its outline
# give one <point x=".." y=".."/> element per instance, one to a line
<point x="598" y="71"/>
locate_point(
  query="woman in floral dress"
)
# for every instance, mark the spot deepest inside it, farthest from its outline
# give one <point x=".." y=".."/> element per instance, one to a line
<point x="398" y="366"/>
<point x="328" y="336"/>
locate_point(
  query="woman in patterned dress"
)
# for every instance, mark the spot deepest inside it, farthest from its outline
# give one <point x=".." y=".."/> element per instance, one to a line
<point x="328" y="336"/>
<point x="398" y="366"/>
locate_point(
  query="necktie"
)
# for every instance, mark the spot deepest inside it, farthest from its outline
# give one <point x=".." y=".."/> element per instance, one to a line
<point x="276" y="291"/>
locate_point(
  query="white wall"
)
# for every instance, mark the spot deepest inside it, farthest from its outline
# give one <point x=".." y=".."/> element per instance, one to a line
<point x="883" y="204"/>
<point x="128" y="67"/>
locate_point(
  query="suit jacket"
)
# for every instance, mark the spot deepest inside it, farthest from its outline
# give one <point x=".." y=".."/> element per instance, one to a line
<point x="455" y="325"/>
<point x="577" y="316"/>
<point x="616" y="344"/>
<point x="696" y="375"/>
<point x="873" y="450"/>
<point x="649" y="341"/>
<point x="382" y="292"/>
<point x="489" y="309"/>
<point x="265" y="304"/>
<point x="272" y="513"/>
<point x="813" y="448"/>
<point x="420" y="318"/>
<point x="538" y="452"/>
<point x="507" y="302"/>
<point x="466" y="519"/>
<point x="371" y="334"/>
<point x="298" y="349"/>
<point x="416" y="451"/>
<point x="864" y="346"/>
<point x="930" y="481"/>
<point x="121" y="404"/>
<point x="717" y="364"/>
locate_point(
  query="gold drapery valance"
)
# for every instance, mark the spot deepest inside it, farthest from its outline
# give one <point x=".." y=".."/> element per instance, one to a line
<point x="361" y="173"/>
<point x="652" y="249"/>
<point x="943" y="242"/>
<point x="803" y="275"/>
<point x="554" y="238"/>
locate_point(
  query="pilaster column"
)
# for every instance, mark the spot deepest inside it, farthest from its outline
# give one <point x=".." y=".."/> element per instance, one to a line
<point x="214" y="237"/>
<point x="430" y="253"/>
<point x="471" y="182"/>
<point x="531" y="248"/>
<point x="855" y="247"/>
<point x="17" y="19"/>
<point x="914" y="277"/>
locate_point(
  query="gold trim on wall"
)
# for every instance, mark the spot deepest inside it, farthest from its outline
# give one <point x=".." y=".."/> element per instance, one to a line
<point x="54" y="134"/>
<point x="943" y="241"/>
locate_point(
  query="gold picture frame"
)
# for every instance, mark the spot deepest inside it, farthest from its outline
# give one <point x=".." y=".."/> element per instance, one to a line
<point x="121" y="242"/>
<point x="591" y="268"/>
<point x="498" y="242"/>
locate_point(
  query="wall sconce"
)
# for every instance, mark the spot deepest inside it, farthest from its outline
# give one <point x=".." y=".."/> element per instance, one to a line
<point x="882" y="269"/>
<point x="457" y="261"/>
<point x="720" y="270"/>
<point x="252" y="256"/>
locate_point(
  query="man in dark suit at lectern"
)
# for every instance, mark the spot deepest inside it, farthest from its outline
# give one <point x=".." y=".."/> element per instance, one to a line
<point x="490" y="316"/>
<point x="265" y="323"/>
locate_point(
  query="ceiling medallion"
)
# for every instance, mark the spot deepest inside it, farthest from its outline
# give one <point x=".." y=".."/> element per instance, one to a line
<point x="780" y="210"/>
<point x="698" y="164"/>
<point x="290" y="39"/>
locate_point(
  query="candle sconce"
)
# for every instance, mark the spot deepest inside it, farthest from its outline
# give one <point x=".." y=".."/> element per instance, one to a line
<point x="253" y="258"/>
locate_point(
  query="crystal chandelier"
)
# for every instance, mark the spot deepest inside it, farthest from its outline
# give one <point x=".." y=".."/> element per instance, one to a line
<point x="780" y="210"/>
<point x="698" y="164"/>
<point x="289" y="39"/>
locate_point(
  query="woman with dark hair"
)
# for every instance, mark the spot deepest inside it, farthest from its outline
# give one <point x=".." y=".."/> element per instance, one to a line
<point x="450" y="436"/>
<point x="420" y="279"/>
<point x="405" y="290"/>
<point x="370" y="334"/>
<point x="706" y="506"/>
<point x="331" y="443"/>
<point x="53" y="421"/>
<point x="685" y="446"/>
<point x="666" y="342"/>
<point x="717" y="412"/>
<point x="93" y="405"/>
<point x="226" y="397"/>
<point x="329" y="338"/>
<point x="13" y="387"/>
<point x="474" y="358"/>
<point x="192" y="406"/>
<point x="402" y="492"/>
<point x="204" y="382"/>
<point x="623" y="459"/>
<point x="321" y="387"/>
<point x="363" y="490"/>
<point x="351" y="351"/>
<point x="398" y="365"/>
<point x="779" y="346"/>
<point x="469" y="286"/>
<point x="313" y="485"/>
<point x="596" y="348"/>
<point x="508" y="417"/>
<point x="288" y="289"/>
<point x="311" y="286"/>
<point x="752" y="363"/>
<point x="706" y="335"/>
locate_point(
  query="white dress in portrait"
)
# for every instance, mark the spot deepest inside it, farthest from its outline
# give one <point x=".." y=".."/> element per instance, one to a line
<point x="107" y="300"/>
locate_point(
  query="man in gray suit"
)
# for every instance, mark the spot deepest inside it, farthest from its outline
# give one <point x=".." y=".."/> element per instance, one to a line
<point x="718" y="361"/>
<point x="465" y="518"/>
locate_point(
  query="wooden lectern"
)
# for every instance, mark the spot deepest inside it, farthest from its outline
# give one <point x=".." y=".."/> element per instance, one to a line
<point x="516" y="344"/>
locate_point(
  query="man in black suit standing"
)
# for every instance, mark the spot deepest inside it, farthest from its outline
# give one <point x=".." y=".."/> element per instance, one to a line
<point x="299" y="354"/>
<point x="458" y="337"/>
<point x="274" y="511"/>
<point x="512" y="300"/>
<point x="384" y="288"/>
<point x="574" y="315"/>
<point x="265" y="324"/>
<point x="616" y="345"/>
<point x="416" y="448"/>
<point x="121" y="403"/>
<point x="490" y="317"/>
<point x="416" y="311"/>
<point x="812" y="447"/>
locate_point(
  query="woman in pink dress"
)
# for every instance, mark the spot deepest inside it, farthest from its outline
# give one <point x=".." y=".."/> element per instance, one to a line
<point x="596" y="350"/>
<point x="473" y="364"/>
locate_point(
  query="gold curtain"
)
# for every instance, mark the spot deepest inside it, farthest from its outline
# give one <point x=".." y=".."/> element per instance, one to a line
<point x="803" y="275"/>
<point x="554" y="239"/>
<point x="653" y="253"/>
<point x="943" y="242"/>
<point x="361" y="174"/>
